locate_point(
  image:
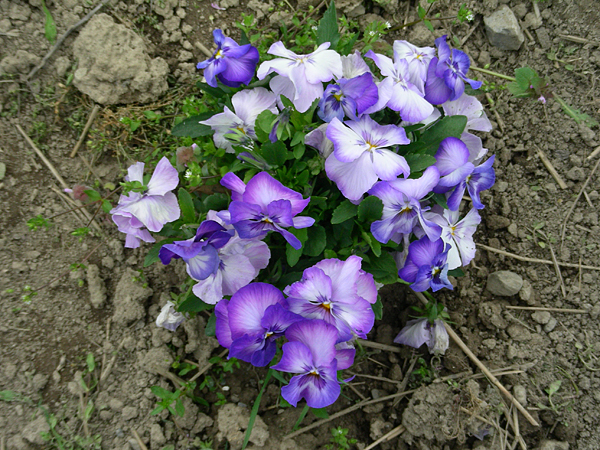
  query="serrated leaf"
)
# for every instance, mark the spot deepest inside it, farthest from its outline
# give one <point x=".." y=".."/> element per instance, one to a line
<point x="370" y="209"/>
<point x="328" y="27"/>
<point x="316" y="242"/>
<point x="346" y="210"/>
<point x="554" y="387"/>
<point x="216" y="201"/>
<point x="275" y="153"/>
<point x="383" y="268"/>
<point x="106" y="206"/>
<point x="373" y="243"/>
<point x="186" y="203"/>
<point x="434" y="135"/>
<point x="191" y="127"/>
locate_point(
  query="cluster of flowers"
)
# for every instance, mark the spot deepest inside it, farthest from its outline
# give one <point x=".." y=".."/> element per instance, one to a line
<point x="331" y="305"/>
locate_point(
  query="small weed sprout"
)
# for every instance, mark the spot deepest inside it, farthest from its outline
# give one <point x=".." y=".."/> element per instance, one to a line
<point x="339" y="439"/>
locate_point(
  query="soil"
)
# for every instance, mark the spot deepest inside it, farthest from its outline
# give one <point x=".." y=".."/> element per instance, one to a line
<point x="108" y="308"/>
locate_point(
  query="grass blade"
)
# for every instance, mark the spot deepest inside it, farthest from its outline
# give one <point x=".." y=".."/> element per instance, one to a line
<point x="255" y="407"/>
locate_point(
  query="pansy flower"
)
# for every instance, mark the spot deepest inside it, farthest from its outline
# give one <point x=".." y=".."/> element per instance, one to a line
<point x="420" y="331"/>
<point x="426" y="265"/>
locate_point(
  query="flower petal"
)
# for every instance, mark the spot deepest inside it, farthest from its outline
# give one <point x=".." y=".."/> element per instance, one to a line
<point x="354" y="178"/>
<point x="155" y="211"/>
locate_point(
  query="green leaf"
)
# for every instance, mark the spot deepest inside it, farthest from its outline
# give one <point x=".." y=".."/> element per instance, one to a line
<point x="316" y="242"/>
<point x="299" y="151"/>
<point x="254" y="411"/>
<point x="418" y="162"/>
<point x="161" y="392"/>
<point x="188" y="212"/>
<point x="432" y="137"/>
<point x="279" y="377"/>
<point x="211" y="325"/>
<point x="328" y="27"/>
<point x="91" y="363"/>
<point x="216" y="201"/>
<point x="8" y="396"/>
<point x="191" y="127"/>
<point x="346" y="210"/>
<point x="106" y="206"/>
<point x="320" y="413"/>
<point x="275" y="153"/>
<point x="301" y="417"/>
<point x="382" y="267"/>
<point x="293" y="255"/>
<point x="427" y="23"/>
<point x="263" y="125"/>
<point x="554" y="387"/>
<point x="50" y="26"/>
<point x="458" y="272"/>
<point x="370" y="209"/>
<point x="193" y="304"/>
<point x="179" y="408"/>
<point x="217" y="92"/>
<point x="378" y="309"/>
<point x="421" y="12"/>
<point x="88" y="410"/>
<point x="373" y="243"/>
<point x="93" y="195"/>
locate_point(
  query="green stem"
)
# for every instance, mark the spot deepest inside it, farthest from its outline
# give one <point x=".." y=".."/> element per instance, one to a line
<point x="255" y="407"/>
<point x="496" y="74"/>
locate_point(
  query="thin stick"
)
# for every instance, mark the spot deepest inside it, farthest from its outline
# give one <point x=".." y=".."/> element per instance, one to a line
<point x="82" y="405"/>
<point x="386" y="437"/>
<point x="356" y="391"/>
<point x="138" y="439"/>
<point x="578" y="39"/>
<point x="551" y="169"/>
<point x="68" y="204"/>
<point x="594" y="153"/>
<point x="564" y="226"/>
<point x="378" y="346"/>
<point x="204" y="50"/>
<point x="557" y="269"/>
<point x="534" y="260"/>
<point x="483" y="368"/>
<point x="469" y="33"/>
<point x="347" y="411"/>
<point x="106" y="372"/>
<point x="63" y="37"/>
<point x="541" y="308"/>
<point x="2" y="444"/>
<point x="496" y="115"/>
<point x="77" y="206"/>
<point x="496" y="74"/>
<point x="208" y="366"/>
<point x="371" y="377"/>
<point x="87" y="127"/>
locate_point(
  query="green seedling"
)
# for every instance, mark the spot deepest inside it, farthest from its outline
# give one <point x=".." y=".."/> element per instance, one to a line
<point x="339" y="439"/>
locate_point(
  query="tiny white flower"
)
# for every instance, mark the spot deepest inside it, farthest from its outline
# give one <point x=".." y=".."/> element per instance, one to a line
<point x="169" y="318"/>
<point x="188" y="174"/>
<point x="388" y="25"/>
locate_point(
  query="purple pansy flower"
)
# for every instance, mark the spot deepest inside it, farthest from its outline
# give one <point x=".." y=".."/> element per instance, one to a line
<point x="339" y="293"/>
<point x="240" y="261"/>
<point x="169" y="317"/>
<point x="426" y="265"/>
<point x="447" y="74"/>
<point x="480" y="179"/>
<point x="402" y="209"/>
<point x="458" y="234"/>
<point x="397" y="92"/>
<point x="151" y="209"/>
<point x="469" y="106"/>
<point x="418" y="60"/>
<point x="420" y="331"/>
<point x="251" y="321"/>
<point x="317" y="138"/>
<point x="265" y="205"/>
<point x="354" y="65"/>
<point x="452" y="162"/>
<point x="247" y="105"/>
<point x="199" y="252"/>
<point x="348" y="98"/>
<point x="311" y="353"/>
<point x="306" y="72"/>
<point x="361" y="155"/>
<point x="231" y="63"/>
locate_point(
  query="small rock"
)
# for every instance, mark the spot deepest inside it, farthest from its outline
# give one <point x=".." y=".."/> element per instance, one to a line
<point x="39" y="381"/>
<point x="496" y="222"/>
<point x="543" y="38"/>
<point x="157" y="437"/>
<point x="10" y="370"/>
<point x="129" y="298"/>
<point x="202" y="423"/>
<point x="32" y="431"/>
<point x="587" y="134"/>
<point x="130" y="412"/>
<point x="395" y="373"/>
<point x="549" y="327"/>
<point x="595" y="311"/>
<point x="115" y="404"/>
<point x="520" y="393"/>
<point x="553" y="445"/>
<point x="513" y="229"/>
<point x="232" y="422"/>
<point x="575" y="174"/>
<point x="526" y="293"/>
<point x="490" y="343"/>
<point x="532" y="21"/>
<point x="541" y="317"/>
<point x="19" y="12"/>
<point x="96" y="286"/>
<point x="18" y="443"/>
<point x="518" y="332"/>
<point x="21" y="62"/>
<point x="108" y="262"/>
<point x="503" y="30"/>
<point x="157" y="358"/>
<point x="504" y="283"/>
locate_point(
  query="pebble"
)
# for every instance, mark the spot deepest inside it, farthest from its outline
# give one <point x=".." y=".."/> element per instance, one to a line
<point x="576" y="174"/>
<point x="504" y="283"/>
<point x="130" y="412"/>
<point x="526" y="293"/>
<point x="550" y="325"/>
<point x="490" y="343"/>
<point x="541" y="317"/>
<point x="518" y="332"/>
<point x="520" y="393"/>
<point x="503" y="30"/>
<point x="553" y="445"/>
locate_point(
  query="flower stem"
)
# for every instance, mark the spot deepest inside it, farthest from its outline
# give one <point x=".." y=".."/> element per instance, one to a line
<point x="496" y="74"/>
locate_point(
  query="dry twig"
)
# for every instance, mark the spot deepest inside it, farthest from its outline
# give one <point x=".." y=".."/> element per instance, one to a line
<point x="551" y="169"/>
<point x="139" y="440"/>
<point x="86" y="128"/>
<point x="378" y="346"/>
<point x="106" y="371"/>
<point x="540" y="308"/>
<point x="388" y="436"/>
<point x="594" y="153"/>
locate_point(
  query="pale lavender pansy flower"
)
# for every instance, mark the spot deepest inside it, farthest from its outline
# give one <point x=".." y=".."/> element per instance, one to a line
<point x="418" y="59"/>
<point x="402" y="209"/>
<point x="306" y="72"/>
<point x="251" y="321"/>
<point x="447" y="74"/>
<point x="458" y="234"/>
<point x="396" y="90"/>
<point x="339" y="293"/>
<point x="153" y="208"/>
<point x="354" y="65"/>
<point x="231" y="63"/>
<point x="311" y="353"/>
<point x="318" y="139"/>
<point x="480" y="179"/>
<point x="361" y="155"/>
<point x="426" y="265"/>
<point x="420" y="331"/>
<point x="469" y="106"/>
<point x="452" y="161"/>
<point x="266" y="205"/>
<point x="169" y="318"/>
<point x="200" y="253"/>
<point x="348" y="97"/>
<point x="238" y="124"/>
